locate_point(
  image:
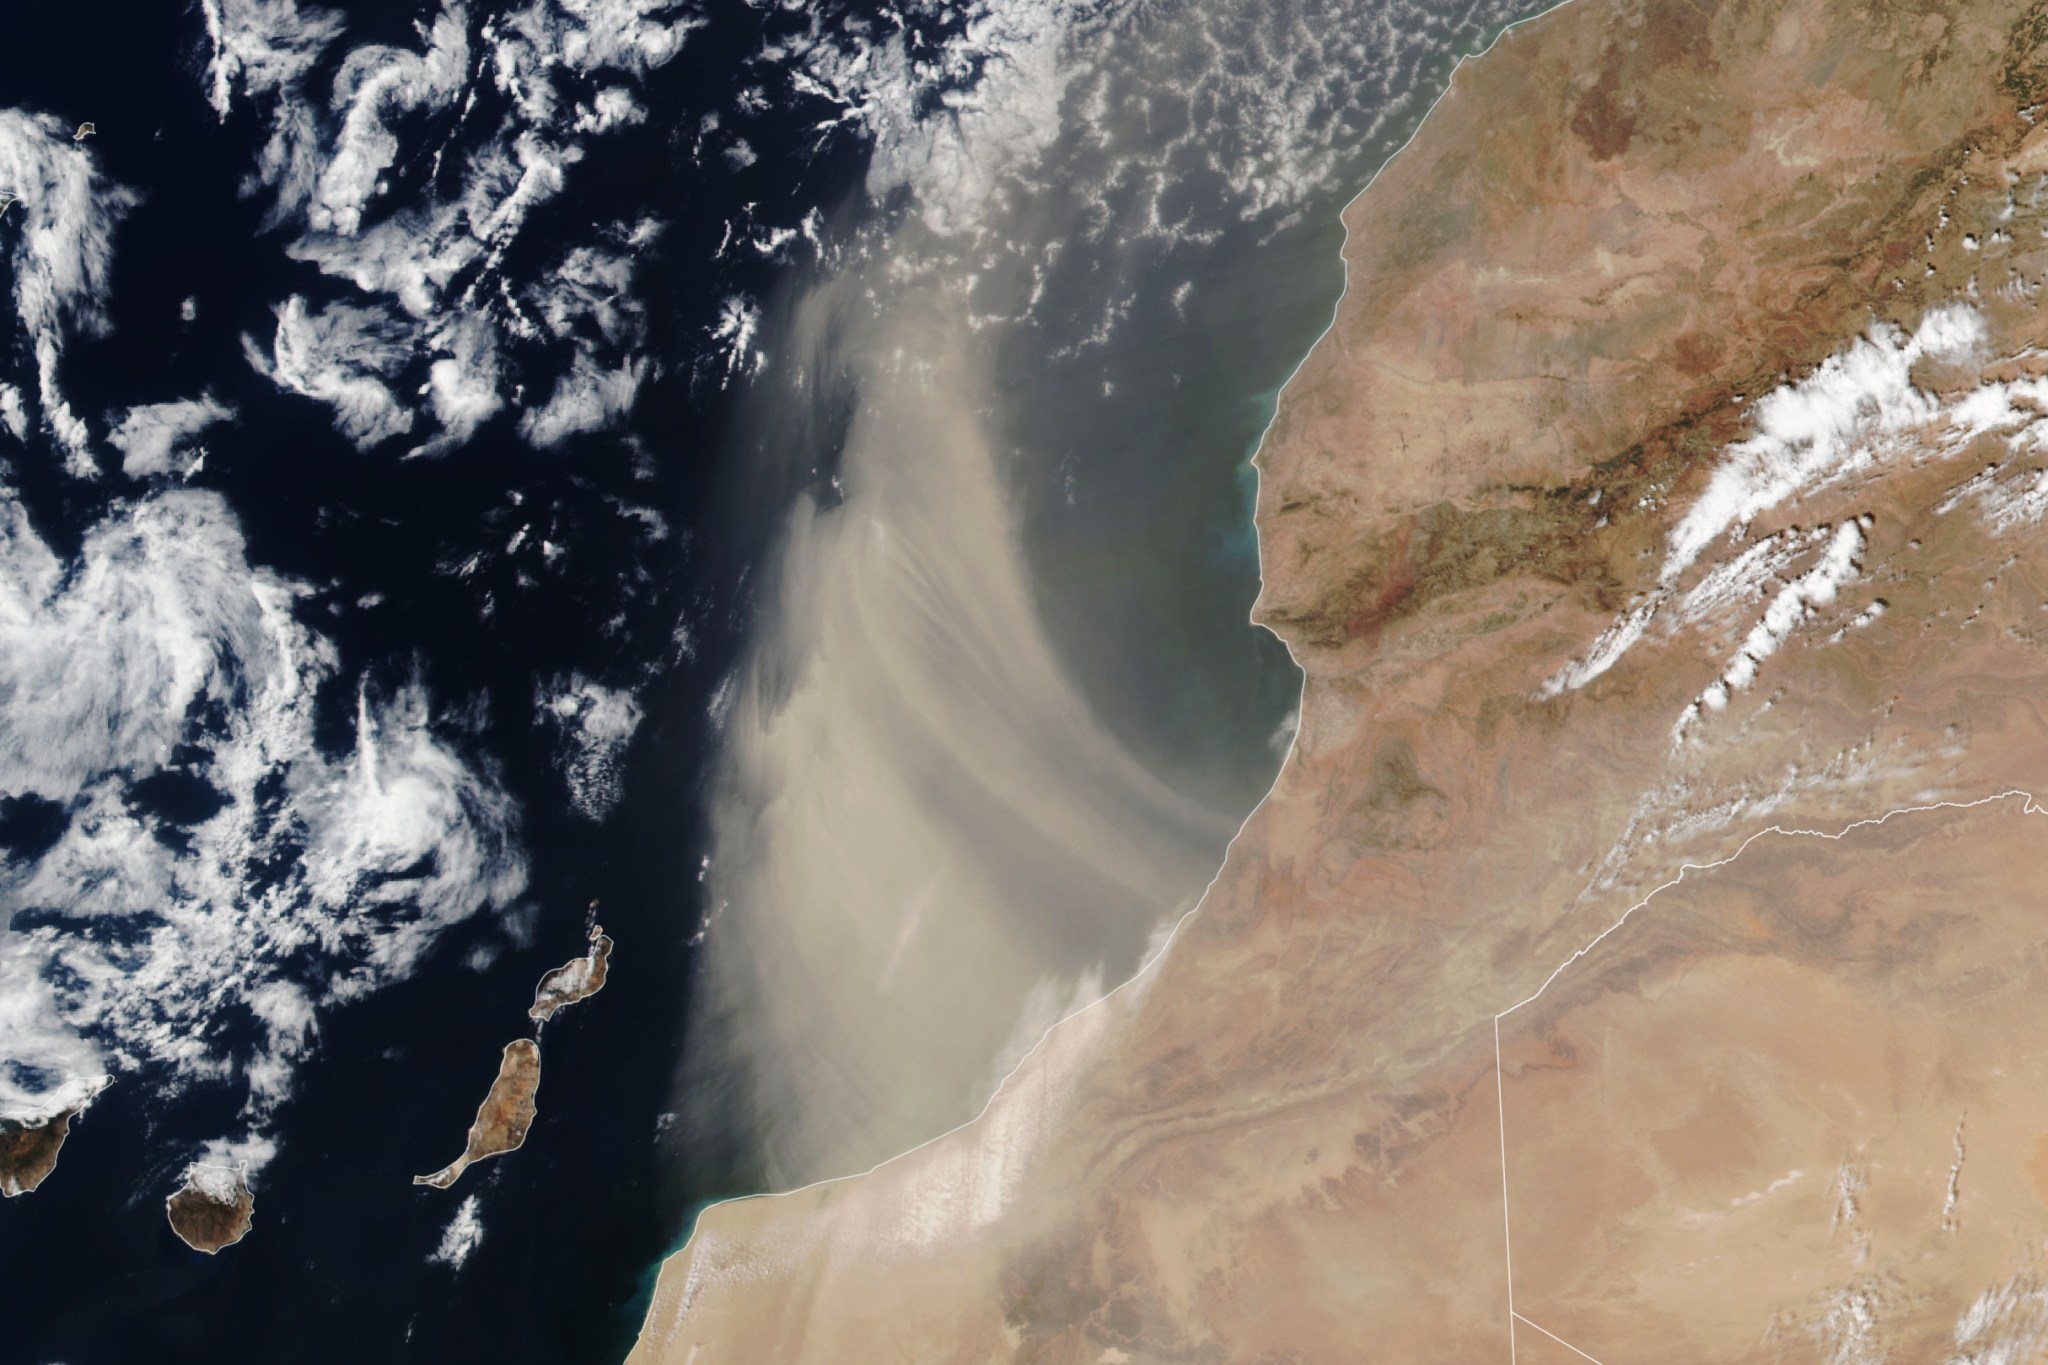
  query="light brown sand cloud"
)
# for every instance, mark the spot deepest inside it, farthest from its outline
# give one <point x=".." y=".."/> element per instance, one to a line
<point x="925" y="846"/>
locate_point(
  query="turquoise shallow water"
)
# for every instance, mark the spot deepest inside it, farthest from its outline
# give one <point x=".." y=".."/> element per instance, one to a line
<point x="1138" y="509"/>
<point x="1132" y="464"/>
<point x="1121" y="374"/>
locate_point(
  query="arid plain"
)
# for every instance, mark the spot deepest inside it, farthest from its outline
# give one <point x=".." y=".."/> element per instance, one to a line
<point x="1639" y="957"/>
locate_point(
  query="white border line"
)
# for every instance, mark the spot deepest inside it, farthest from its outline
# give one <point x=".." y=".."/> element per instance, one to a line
<point x="2032" y="807"/>
<point x="1553" y="1336"/>
<point x="1145" y="968"/>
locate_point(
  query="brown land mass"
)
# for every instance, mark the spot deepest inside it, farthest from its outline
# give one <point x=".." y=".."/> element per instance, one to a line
<point x="29" y="1146"/>
<point x="575" y="980"/>
<point x="1445" y="988"/>
<point x="503" y="1118"/>
<point x="212" y="1209"/>
<point x="28" y="1151"/>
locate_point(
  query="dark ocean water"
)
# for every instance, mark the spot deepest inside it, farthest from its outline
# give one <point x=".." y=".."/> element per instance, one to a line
<point x="336" y="1267"/>
<point x="1129" y="463"/>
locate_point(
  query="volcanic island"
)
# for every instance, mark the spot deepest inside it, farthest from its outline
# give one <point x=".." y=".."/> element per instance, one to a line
<point x="29" y="1143"/>
<point x="508" y="1110"/>
<point x="504" y="1117"/>
<point x="29" y="1147"/>
<point x="577" y="979"/>
<point x="212" y="1208"/>
<point x="1638" y="956"/>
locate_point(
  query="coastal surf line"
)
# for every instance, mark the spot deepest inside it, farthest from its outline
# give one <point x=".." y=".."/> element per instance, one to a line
<point x="2032" y="806"/>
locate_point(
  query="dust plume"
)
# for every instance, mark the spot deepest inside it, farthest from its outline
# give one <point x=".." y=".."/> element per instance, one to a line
<point x="1085" y="252"/>
<point x="926" y="848"/>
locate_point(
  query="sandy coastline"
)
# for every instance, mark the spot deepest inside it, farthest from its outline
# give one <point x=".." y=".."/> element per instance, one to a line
<point x="1291" y="1132"/>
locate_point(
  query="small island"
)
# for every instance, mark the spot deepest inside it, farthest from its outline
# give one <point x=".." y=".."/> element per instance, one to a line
<point x="577" y="979"/>
<point x="28" y="1150"/>
<point x="505" y="1115"/>
<point x="212" y="1209"/>
<point x="29" y="1145"/>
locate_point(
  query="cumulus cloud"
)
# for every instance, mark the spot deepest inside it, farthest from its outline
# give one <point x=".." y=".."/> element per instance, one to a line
<point x="739" y="324"/>
<point x="13" y="417"/>
<point x="952" y="123"/>
<point x="462" y="385"/>
<point x="62" y="255"/>
<point x="1858" y="407"/>
<point x="340" y="356"/>
<point x="1836" y="420"/>
<point x="465" y="1231"/>
<point x="614" y="107"/>
<point x="976" y="108"/>
<point x="593" y="724"/>
<point x="213" y="878"/>
<point x="149" y="436"/>
<point x="593" y="285"/>
<point x="262" y="45"/>
<point x="429" y="264"/>
<point x="590" y="397"/>
<point x="244" y="1156"/>
<point x="1790" y="607"/>
<point x="376" y="85"/>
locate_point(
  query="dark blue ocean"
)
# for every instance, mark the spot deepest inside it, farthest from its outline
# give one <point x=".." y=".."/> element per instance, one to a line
<point x="1129" y="468"/>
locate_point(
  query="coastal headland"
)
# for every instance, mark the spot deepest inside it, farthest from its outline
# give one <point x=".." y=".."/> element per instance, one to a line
<point x="1634" y="958"/>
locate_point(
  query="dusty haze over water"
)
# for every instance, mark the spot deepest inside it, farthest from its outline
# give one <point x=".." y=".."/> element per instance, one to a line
<point x="1005" y="706"/>
<point x="927" y="847"/>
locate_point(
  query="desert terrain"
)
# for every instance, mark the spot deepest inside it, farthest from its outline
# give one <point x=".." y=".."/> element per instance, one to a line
<point x="1637" y="956"/>
<point x="504" y="1117"/>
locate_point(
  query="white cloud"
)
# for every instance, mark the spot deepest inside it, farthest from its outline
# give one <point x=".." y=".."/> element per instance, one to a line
<point x="12" y="416"/>
<point x="148" y="436"/>
<point x="263" y="46"/>
<point x="428" y="263"/>
<point x="594" y="284"/>
<point x="245" y="1156"/>
<point x="340" y="356"/>
<point x="465" y="1231"/>
<point x="590" y="397"/>
<point x="593" y="725"/>
<point x="1859" y="407"/>
<point x="739" y="322"/>
<point x="1742" y="581"/>
<point x="294" y="878"/>
<point x="952" y="120"/>
<point x="62" y="255"/>
<point x="614" y="107"/>
<point x="1119" y="105"/>
<point x="1835" y="421"/>
<point x="1607" y="649"/>
<point x="377" y="83"/>
<point x="1790" y="606"/>
<point x="462" y="386"/>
